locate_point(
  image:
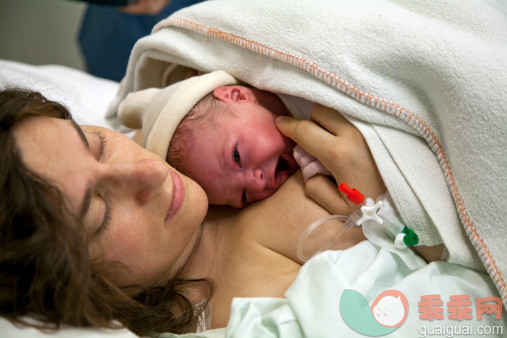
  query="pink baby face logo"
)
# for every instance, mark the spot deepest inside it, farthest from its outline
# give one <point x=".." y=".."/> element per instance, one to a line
<point x="390" y="308"/>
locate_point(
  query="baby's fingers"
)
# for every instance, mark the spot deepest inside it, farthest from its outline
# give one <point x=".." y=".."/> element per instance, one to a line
<point x="324" y="192"/>
<point x="307" y="134"/>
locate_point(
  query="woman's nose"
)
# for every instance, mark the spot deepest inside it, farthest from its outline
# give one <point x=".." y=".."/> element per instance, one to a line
<point x="256" y="180"/>
<point x="141" y="179"/>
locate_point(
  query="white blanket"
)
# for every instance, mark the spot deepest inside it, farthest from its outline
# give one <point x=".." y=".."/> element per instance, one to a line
<point x="315" y="304"/>
<point x="424" y="81"/>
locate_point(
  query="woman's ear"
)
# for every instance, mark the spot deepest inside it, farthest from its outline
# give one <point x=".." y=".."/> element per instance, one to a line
<point x="234" y="94"/>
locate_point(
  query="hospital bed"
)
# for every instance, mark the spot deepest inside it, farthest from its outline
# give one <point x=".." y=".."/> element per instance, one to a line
<point x="333" y="67"/>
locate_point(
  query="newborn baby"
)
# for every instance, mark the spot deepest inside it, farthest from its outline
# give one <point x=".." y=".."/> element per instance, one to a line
<point x="220" y="134"/>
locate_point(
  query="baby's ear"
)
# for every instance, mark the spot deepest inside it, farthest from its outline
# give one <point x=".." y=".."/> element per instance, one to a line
<point x="234" y="94"/>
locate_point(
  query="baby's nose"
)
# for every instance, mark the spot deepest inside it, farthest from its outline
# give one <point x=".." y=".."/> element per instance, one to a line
<point x="256" y="180"/>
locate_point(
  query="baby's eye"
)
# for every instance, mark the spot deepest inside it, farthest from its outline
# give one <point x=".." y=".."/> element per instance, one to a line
<point x="236" y="156"/>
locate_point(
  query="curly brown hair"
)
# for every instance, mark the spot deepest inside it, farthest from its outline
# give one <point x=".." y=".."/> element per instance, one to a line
<point x="45" y="269"/>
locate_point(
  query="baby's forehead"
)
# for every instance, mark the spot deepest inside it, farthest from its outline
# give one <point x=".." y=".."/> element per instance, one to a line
<point x="210" y="118"/>
<point x="220" y="117"/>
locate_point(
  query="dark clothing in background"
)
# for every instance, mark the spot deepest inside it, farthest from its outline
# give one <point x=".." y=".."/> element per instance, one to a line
<point x="110" y="2"/>
<point x="107" y="36"/>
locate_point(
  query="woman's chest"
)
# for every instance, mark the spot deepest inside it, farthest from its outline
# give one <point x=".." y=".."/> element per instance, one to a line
<point x="260" y="273"/>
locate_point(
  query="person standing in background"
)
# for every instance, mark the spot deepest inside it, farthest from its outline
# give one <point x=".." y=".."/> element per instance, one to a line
<point x="110" y="28"/>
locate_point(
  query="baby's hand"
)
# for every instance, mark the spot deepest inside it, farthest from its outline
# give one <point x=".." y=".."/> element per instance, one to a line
<point x="341" y="148"/>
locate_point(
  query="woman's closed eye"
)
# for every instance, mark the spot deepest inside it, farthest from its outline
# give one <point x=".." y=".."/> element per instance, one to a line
<point x="107" y="213"/>
<point x="102" y="144"/>
<point x="98" y="149"/>
<point x="107" y="201"/>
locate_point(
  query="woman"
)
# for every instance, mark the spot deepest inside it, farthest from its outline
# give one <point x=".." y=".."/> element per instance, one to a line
<point x="56" y="219"/>
<point x="101" y="229"/>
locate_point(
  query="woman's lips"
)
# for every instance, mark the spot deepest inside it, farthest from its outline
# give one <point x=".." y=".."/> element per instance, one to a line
<point x="178" y="195"/>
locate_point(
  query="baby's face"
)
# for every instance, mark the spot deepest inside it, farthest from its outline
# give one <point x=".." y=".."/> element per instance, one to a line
<point x="241" y="157"/>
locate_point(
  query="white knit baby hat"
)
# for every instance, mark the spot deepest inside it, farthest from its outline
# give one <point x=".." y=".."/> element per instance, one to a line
<point x="158" y="111"/>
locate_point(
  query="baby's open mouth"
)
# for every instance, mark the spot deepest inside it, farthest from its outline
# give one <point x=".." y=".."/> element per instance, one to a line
<point x="286" y="162"/>
<point x="285" y="167"/>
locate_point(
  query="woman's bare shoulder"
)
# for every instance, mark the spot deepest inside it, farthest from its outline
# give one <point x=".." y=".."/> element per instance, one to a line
<point x="277" y="222"/>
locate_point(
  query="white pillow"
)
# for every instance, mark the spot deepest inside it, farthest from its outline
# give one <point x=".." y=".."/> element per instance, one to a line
<point x="10" y="330"/>
<point x="86" y="96"/>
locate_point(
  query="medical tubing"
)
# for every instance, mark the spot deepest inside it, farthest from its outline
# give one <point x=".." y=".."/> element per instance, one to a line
<point x="312" y="227"/>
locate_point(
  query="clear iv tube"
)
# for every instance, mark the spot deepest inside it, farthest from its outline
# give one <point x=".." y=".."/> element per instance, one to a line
<point x="312" y="227"/>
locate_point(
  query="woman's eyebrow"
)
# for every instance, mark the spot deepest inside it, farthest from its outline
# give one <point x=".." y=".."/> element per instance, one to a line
<point x="85" y="205"/>
<point x="80" y="133"/>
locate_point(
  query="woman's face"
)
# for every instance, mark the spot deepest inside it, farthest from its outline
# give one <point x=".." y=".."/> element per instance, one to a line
<point x="138" y="211"/>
